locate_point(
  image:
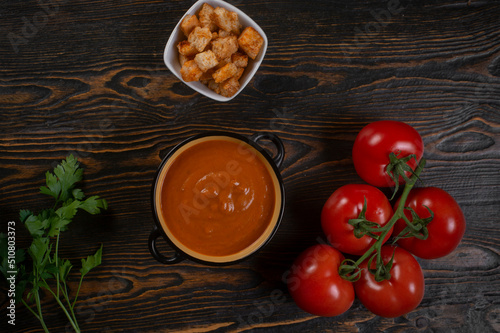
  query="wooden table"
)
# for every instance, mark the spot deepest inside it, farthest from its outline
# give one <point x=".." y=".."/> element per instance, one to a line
<point x="88" y="78"/>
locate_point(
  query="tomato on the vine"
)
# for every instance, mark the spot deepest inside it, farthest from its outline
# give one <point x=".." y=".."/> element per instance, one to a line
<point x="376" y="141"/>
<point x="445" y="230"/>
<point x="315" y="284"/>
<point x="397" y="296"/>
<point x="346" y="203"/>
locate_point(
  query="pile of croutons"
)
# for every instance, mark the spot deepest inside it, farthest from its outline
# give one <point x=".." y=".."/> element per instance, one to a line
<point x="215" y="52"/>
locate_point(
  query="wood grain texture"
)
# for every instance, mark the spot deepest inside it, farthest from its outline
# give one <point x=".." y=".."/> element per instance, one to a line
<point x="87" y="77"/>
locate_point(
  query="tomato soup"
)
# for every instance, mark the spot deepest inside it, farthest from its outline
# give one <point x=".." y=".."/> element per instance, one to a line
<point x="218" y="198"/>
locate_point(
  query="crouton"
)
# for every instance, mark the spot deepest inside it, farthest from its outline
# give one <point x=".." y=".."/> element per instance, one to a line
<point x="186" y="49"/>
<point x="215" y="35"/>
<point x="214" y="86"/>
<point x="224" y="33"/>
<point x="190" y="71"/>
<point x="206" y="13"/>
<point x="251" y="42"/>
<point x="207" y="76"/>
<point x="223" y="62"/>
<point x="224" y="73"/>
<point x="183" y="59"/>
<point x="229" y="87"/>
<point x="206" y="60"/>
<point x="239" y="59"/>
<point x="215" y="52"/>
<point x="224" y="47"/>
<point x="226" y="20"/>
<point x="199" y="38"/>
<point x="239" y="73"/>
<point x="189" y="23"/>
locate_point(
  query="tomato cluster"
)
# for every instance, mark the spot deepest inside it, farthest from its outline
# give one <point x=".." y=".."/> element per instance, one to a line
<point x="379" y="239"/>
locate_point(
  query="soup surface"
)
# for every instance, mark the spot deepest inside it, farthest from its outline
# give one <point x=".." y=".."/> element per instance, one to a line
<point x="218" y="197"/>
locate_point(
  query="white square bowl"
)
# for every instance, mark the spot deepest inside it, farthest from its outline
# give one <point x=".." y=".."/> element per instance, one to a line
<point x="171" y="54"/>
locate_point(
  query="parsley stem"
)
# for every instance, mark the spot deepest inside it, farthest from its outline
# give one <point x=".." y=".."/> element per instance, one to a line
<point x="77" y="291"/>
<point x="57" y="263"/>
<point x="30" y="309"/>
<point x="45" y="229"/>
<point x="66" y="297"/>
<point x="75" y="326"/>
<point x="40" y="316"/>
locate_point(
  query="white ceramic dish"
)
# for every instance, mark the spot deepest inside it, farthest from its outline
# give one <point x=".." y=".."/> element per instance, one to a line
<point x="171" y="54"/>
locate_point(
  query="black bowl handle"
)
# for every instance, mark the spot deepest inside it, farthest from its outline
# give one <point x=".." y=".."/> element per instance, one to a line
<point x="153" y="236"/>
<point x="280" y="155"/>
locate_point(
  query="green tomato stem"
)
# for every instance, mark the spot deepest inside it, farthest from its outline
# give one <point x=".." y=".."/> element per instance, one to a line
<point x="398" y="214"/>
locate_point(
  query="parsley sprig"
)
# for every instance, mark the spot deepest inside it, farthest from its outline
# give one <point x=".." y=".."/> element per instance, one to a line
<point x="45" y="228"/>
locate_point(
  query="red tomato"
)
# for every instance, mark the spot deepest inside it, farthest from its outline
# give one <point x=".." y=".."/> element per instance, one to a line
<point x="446" y="229"/>
<point x="376" y="141"/>
<point x="346" y="203"/>
<point x="315" y="284"/>
<point x="397" y="296"/>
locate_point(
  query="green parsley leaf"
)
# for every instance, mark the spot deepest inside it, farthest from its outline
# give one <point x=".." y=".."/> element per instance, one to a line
<point x="36" y="225"/>
<point x="78" y="194"/>
<point x="57" y="225"/>
<point x="64" y="269"/>
<point x="48" y="272"/>
<point x="93" y="205"/>
<point x="60" y="183"/>
<point x="39" y="251"/>
<point x="68" y="173"/>
<point x="91" y="262"/>
<point x="69" y="209"/>
<point x="24" y="214"/>
<point x="53" y="187"/>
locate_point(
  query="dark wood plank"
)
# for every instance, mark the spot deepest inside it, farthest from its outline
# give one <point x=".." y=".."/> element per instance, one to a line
<point x="88" y="78"/>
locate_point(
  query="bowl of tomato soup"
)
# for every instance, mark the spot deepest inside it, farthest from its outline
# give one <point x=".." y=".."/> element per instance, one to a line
<point x="217" y="198"/>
